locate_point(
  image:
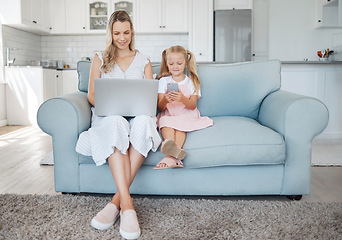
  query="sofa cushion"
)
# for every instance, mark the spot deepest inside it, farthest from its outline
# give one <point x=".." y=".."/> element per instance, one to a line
<point x="231" y="141"/>
<point x="236" y="89"/>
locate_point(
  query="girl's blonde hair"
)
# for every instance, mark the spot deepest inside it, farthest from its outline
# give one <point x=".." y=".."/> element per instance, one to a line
<point x="109" y="52"/>
<point x="190" y="63"/>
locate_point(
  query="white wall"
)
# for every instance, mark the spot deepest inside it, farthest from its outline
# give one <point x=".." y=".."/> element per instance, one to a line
<point x="71" y="49"/>
<point x="293" y="35"/>
<point x="3" y="121"/>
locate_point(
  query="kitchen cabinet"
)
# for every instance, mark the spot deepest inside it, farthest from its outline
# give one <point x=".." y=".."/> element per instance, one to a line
<point x="67" y="17"/>
<point x="57" y="17"/>
<point x="232" y="4"/>
<point x="329" y="13"/>
<point x="201" y="30"/>
<point x="24" y="94"/>
<point x="162" y="16"/>
<point x="67" y="82"/>
<point x="34" y="14"/>
<point x="28" y="15"/>
<point x="97" y="13"/>
<point x="129" y="6"/>
<point x="28" y="87"/>
<point x="321" y="81"/>
<point x="75" y="17"/>
<point x="260" y="29"/>
<point x="50" y="78"/>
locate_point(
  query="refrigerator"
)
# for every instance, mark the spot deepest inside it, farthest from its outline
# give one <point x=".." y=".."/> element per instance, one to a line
<point x="233" y="35"/>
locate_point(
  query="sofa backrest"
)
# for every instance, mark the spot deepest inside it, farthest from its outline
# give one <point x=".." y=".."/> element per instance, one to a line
<point x="227" y="89"/>
<point x="236" y="89"/>
<point x="83" y="68"/>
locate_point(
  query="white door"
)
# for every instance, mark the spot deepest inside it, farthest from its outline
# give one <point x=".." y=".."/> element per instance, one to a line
<point x="57" y="16"/>
<point x="149" y="16"/>
<point x="37" y="8"/>
<point x="201" y="36"/>
<point x="260" y="29"/>
<point x="26" y="15"/>
<point x="75" y="16"/>
<point x="175" y="15"/>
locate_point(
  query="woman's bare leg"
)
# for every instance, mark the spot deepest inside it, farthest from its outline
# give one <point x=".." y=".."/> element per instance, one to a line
<point x="136" y="159"/>
<point x="120" y="167"/>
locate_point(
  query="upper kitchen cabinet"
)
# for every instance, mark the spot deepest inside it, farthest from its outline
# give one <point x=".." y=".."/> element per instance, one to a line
<point x="329" y="13"/>
<point x="129" y="6"/>
<point x="57" y="17"/>
<point x="67" y="17"/>
<point x="75" y="17"/>
<point x="201" y="30"/>
<point x="260" y="29"/>
<point x="29" y="15"/>
<point x="157" y="16"/>
<point x="35" y="14"/>
<point x="232" y="4"/>
<point x="97" y="14"/>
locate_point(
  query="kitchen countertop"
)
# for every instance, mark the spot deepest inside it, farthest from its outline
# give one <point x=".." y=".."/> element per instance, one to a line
<point x="311" y="62"/>
<point x="283" y="62"/>
<point x="53" y="68"/>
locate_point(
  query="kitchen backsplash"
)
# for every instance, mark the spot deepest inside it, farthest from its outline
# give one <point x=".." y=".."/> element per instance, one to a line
<point x="72" y="48"/>
<point x="29" y="43"/>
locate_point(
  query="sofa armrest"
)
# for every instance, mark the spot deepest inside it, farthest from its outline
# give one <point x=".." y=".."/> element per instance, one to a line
<point x="65" y="114"/>
<point x="64" y="118"/>
<point x="299" y="119"/>
<point x="293" y="115"/>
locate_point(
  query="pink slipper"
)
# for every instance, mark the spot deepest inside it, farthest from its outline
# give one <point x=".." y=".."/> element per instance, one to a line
<point x="170" y="147"/>
<point x="106" y="217"/>
<point x="170" y="162"/>
<point x="129" y="225"/>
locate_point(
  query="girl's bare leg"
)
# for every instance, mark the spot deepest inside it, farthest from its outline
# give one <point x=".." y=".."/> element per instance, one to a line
<point x="180" y="138"/>
<point x="168" y="133"/>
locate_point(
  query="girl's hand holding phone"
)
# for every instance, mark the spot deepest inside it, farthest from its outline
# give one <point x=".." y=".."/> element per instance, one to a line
<point x="175" y="96"/>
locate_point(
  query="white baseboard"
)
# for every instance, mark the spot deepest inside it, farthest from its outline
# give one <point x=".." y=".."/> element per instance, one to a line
<point x="3" y="123"/>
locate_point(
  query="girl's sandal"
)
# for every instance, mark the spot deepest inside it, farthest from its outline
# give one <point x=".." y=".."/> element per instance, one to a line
<point x="170" y="148"/>
<point x="169" y="162"/>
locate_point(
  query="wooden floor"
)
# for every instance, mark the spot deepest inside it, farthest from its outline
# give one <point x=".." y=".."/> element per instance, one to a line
<point x="22" y="148"/>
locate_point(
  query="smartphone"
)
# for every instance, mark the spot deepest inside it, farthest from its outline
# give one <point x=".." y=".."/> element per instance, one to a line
<point x="172" y="87"/>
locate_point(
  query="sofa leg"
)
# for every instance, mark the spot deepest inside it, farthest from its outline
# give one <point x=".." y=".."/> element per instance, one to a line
<point x="294" y="197"/>
<point x="67" y="193"/>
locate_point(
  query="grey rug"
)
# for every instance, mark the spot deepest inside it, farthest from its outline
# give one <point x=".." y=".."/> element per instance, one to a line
<point x="68" y="217"/>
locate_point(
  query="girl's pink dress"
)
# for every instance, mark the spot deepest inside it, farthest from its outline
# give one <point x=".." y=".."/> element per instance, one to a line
<point x="177" y="116"/>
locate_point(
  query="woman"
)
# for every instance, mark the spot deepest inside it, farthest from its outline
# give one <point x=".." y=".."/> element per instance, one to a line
<point x="114" y="138"/>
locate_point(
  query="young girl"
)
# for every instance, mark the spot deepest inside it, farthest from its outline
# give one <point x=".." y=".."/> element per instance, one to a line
<point x="179" y="113"/>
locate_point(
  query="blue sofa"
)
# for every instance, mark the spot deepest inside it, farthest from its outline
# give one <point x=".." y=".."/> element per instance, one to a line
<point x="260" y="143"/>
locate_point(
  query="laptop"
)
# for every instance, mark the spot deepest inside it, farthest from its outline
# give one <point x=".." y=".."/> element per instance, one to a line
<point x="125" y="97"/>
